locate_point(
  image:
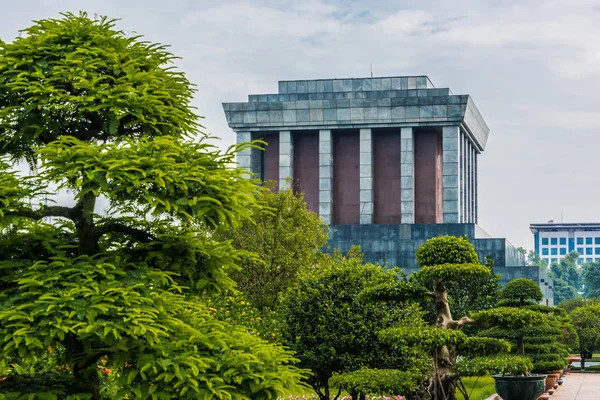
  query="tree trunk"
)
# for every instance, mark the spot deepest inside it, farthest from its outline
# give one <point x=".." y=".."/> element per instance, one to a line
<point x="444" y="359"/>
<point x="84" y="370"/>
<point x="520" y="345"/>
<point x="84" y="223"/>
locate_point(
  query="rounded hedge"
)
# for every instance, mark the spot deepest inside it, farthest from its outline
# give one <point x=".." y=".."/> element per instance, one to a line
<point x="446" y="250"/>
<point x="522" y="289"/>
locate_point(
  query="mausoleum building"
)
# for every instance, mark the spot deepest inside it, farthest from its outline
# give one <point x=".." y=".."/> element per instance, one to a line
<point x="387" y="162"/>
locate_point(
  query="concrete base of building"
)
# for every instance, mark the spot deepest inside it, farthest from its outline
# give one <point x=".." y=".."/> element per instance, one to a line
<point x="395" y="245"/>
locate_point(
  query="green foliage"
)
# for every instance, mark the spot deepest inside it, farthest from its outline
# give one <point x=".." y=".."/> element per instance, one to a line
<point x="389" y="382"/>
<point x="332" y="328"/>
<point x="566" y="276"/>
<point x="497" y="364"/>
<point x="586" y="320"/>
<point x="591" y="277"/>
<point x="450" y="272"/>
<point x="572" y="304"/>
<point x="432" y="338"/>
<point x="508" y="318"/>
<point x="567" y="270"/>
<point x="81" y="77"/>
<point x="535" y="260"/>
<point x="563" y="291"/>
<point x="236" y="310"/>
<point x="102" y="114"/>
<point x="522" y="289"/>
<point x="287" y="239"/>
<point x="394" y="291"/>
<point x="446" y="250"/>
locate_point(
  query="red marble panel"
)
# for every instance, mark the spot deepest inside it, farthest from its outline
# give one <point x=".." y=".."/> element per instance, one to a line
<point x="346" y="177"/>
<point x="428" y="176"/>
<point x="271" y="158"/>
<point x="306" y="167"/>
<point x="386" y="176"/>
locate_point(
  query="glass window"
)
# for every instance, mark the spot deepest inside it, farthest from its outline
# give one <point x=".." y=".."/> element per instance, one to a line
<point x="580" y="250"/>
<point x="544" y="251"/>
<point x="588" y="240"/>
<point x="563" y="251"/>
<point x="554" y="251"/>
<point x="545" y="241"/>
<point x="554" y="241"/>
<point x="597" y="240"/>
<point x="554" y="260"/>
<point x="563" y="241"/>
<point x="579" y="261"/>
<point x="597" y="250"/>
<point x="588" y="250"/>
<point x="588" y="259"/>
<point x="579" y="240"/>
<point x="547" y="260"/>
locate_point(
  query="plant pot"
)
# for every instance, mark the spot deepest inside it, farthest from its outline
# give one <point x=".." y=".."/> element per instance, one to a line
<point x="520" y="387"/>
<point x="550" y="381"/>
<point x="560" y="381"/>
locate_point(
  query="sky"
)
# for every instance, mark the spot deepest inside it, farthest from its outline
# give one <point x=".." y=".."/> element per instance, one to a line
<point x="531" y="67"/>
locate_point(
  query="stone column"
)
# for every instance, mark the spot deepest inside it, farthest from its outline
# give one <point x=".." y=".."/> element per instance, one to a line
<point x="326" y="176"/>
<point x="407" y="176"/>
<point x="286" y="160"/>
<point x="472" y="182"/>
<point x="366" y="176"/>
<point x="451" y="173"/>
<point x="475" y="188"/>
<point x="244" y="157"/>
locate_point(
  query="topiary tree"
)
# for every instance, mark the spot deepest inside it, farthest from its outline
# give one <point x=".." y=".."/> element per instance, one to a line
<point x="545" y="343"/>
<point x="88" y="297"/>
<point x="443" y="260"/>
<point x="332" y="319"/>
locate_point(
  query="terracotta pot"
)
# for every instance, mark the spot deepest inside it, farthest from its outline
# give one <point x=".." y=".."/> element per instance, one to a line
<point x="545" y="396"/>
<point x="550" y="381"/>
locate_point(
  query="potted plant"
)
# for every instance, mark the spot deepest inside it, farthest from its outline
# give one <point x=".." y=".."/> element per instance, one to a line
<point x="540" y="341"/>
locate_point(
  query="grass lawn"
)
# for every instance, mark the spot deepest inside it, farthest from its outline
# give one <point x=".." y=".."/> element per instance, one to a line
<point x="478" y="388"/>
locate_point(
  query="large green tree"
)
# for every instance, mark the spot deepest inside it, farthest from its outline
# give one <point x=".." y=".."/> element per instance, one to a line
<point x="97" y="113"/>
<point x="587" y="322"/>
<point x="332" y="319"/>
<point x="284" y="239"/>
<point x="591" y="277"/>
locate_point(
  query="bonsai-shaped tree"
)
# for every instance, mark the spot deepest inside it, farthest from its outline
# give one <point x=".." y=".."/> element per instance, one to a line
<point x="446" y="259"/>
<point x="103" y="116"/>
<point x="546" y="343"/>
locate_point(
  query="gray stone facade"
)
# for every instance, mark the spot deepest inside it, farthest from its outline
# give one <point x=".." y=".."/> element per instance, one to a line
<point x="406" y="106"/>
<point x="360" y="103"/>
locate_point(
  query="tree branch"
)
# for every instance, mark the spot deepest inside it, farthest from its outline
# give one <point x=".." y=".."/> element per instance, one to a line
<point x="461" y="322"/>
<point x="52" y="211"/>
<point x="137" y="234"/>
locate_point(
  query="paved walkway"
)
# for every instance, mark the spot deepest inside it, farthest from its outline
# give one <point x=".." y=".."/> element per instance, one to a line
<point x="579" y="387"/>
